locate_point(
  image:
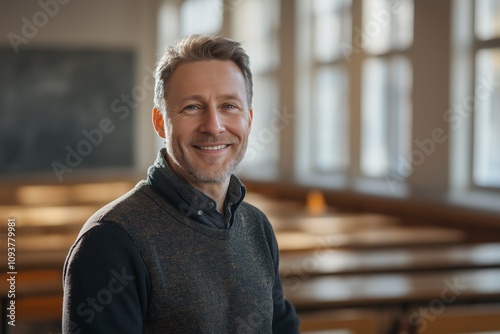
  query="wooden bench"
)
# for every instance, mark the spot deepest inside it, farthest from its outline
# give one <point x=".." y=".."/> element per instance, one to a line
<point x="59" y="194"/>
<point x="454" y="319"/>
<point x="383" y="290"/>
<point x="37" y="315"/>
<point x="434" y="290"/>
<point x="40" y="251"/>
<point x="43" y="242"/>
<point x="32" y="288"/>
<point x="352" y="261"/>
<point x="334" y="223"/>
<point x="383" y="237"/>
<point x="349" y="320"/>
<point x="46" y="219"/>
<point x="281" y="208"/>
<point x="31" y="283"/>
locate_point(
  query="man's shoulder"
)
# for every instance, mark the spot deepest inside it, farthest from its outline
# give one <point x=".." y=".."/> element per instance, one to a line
<point x="254" y="214"/>
<point x="128" y="205"/>
<point x="250" y="209"/>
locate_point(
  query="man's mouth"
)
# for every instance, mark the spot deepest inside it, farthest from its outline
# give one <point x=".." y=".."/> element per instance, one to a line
<point x="212" y="148"/>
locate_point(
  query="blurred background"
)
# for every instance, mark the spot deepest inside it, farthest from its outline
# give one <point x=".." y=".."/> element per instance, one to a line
<point x="375" y="143"/>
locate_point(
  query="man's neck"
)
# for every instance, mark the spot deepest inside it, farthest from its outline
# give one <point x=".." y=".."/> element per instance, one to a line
<point x="216" y="191"/>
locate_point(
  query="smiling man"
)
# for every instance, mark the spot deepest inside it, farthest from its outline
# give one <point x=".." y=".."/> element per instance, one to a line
<point x="182" y="252"/>
<point x="207" y="124"/>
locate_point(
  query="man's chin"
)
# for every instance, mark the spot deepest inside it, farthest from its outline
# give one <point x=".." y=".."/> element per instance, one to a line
<point x="211" y="178"/>
<point x="210" y="173"/>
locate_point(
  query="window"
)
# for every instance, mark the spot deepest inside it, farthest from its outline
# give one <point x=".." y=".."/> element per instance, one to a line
<point x="486" y="140"/>
<point x="260" y="39"/>
<point x="324" y="27"/>
<point x="200" y="17"/>
<point x="387" y="25"/>
<point x="329" y="143"/>
<point x="387" y="34"/>
<point x="386" y="110"/>
<point x="487" y="19"/>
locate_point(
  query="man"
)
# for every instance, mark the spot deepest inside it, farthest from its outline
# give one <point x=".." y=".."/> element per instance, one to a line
<point x="182" y="252"/>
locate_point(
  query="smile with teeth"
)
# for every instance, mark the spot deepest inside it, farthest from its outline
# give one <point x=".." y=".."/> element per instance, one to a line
<point x="212" y="148"/>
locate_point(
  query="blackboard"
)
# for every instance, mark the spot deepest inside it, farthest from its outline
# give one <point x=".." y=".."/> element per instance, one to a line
<point x="54" y="103"/>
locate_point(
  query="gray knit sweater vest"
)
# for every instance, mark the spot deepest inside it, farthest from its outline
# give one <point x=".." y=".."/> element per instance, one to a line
<point x="203" y="280"/>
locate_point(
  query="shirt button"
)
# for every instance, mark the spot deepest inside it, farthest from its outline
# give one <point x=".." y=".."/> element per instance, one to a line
<point x="211" y="205"/>
<point x="200" y="212"/>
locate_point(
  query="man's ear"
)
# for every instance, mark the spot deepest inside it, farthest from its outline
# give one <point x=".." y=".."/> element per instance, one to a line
<point x="250" y="112"/>
<point x="158" y="123"/>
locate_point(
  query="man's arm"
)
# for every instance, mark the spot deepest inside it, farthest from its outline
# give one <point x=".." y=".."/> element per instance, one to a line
<point x="285" y="319"/>
<point x="106" y="283"/>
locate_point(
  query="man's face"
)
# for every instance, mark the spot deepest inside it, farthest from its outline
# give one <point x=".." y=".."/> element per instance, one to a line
<point x="208" y="120"/>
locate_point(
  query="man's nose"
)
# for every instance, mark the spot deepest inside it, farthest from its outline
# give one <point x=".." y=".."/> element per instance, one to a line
<point x="212" y="122"/>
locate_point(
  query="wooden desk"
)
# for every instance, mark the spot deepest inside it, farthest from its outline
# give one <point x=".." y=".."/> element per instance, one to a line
<point x="40" y="251"/>
<point x="324" y="292"/>
<point x="36" y="219"/>
<point x="63" y="194"/>
<point x="42" y="285"/>
<point x="473" y="319"/>
<point x="341" y="261"/>
<point x="35" y="283"/>
<point x="346" y="321"/>
<point x="44" y="242"/>
<point x="334" y="223"/>
<point x="384" y="237"/>
<point x="282" y="208"/>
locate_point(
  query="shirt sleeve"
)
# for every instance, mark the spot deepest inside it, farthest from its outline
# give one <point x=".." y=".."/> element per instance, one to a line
<point x="285" y="319"/>
<point x="106" y="283"/>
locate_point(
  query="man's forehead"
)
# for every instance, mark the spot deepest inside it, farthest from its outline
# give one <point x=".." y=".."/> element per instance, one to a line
<point x="195" y="78"/>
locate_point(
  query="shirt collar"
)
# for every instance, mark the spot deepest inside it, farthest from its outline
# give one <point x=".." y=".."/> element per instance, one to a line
<point x="189" y="200"/>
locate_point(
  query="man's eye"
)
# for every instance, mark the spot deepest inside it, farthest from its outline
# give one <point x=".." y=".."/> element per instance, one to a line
<point x="192" y="108"/>
<point x="229" y="106"/>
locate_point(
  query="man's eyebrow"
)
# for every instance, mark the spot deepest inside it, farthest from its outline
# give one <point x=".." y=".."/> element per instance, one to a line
<point x="192" y="97"/>
<point x="230" y="96"/>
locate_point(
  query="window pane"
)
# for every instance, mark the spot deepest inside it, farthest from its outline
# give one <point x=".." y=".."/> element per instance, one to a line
<point x="262" y="152"/>
<point x="402" y="27"/>
<point x="386" y="114"/>
<point x="201" y="17"/>
<point x="332" y="27"/>
<point x="260" y="39"/>
<point x="260" y="36"/>
<point x="330" y="120"/>
<point x="387" y="25"/>
<point x="399" y="95"/>
<point x="487" y="19"/>
<point x="374" y="151"/>
<point x="486" y="170"/>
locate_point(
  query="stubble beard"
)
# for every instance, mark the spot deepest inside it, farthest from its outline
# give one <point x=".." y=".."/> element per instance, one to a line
<point x="198" y="171"/>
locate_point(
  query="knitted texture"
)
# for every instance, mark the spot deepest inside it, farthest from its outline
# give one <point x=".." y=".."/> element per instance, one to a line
<point x="203" y="279"/>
